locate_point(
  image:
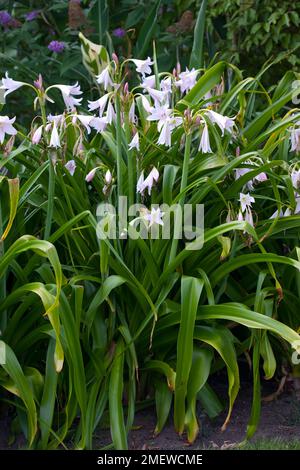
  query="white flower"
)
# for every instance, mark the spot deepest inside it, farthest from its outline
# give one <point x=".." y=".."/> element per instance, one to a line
<point x="166" y="129"/>
<point x="158" y="96"/>
<point x="246" y="200"/>
<point x="131" y="114"/>
<point x="140" y="182"/>
<point x="135" y="142"/>
<point x="160" y="113"/>
<point x="295" y="139"/>
<point x="239" y="172"/>
<point x="148" y="182"/>
<point x="187" y="80"/>
<point x="37" y="135"/>
<point x="261" y="177"/>
<point x="248" y="217"/>
<point x="6" y="127"/>
<point x="110" y="114"/>
<point x="68" y="92"/>
<point x="275" y="215"/>
<point x="10" y="85"/>
<point x="90" y="175"/>
<point x="108" y="177"/>
<point x="204" y="145"/>
<point x="99" y="104"/>
<point x="295" y="177"/>
<point x="58" y="118"/>
<point x="105" y="79"/>
<point x="148" y="82"/>
<point x="54" y="139"/>
<point x="99" y="123"/>
<point x="154" y="217"/>
<point x="224" y="122"/>
<point x="85" y="120"/>
<point x="166" y="85"/>
<point x="146" y="105"/>
<point x="71" y="167"/>
<point x="143" y="66"/>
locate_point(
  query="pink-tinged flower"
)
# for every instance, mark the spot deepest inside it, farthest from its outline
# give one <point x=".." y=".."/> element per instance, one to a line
<point x="37" y="135"/>
<point x="99" y="123"/>
<point x="154" y="217"/>
<point x="224" y="122"/>
<point x="239" y="172"/>
<point x="54" y="139"/>
<point x="135" y="142"/>
<point x="99" y="104"/>
<point x="57" y="118"/>
<point x="204" y="145"/>
<point x="295" y="139"/>
<point x="143" y="66"/>
<point x="248" y="217"/>
<point x="187" y="80"/>
<point x="261" y="177"/>
<point x="148" y="182"/>
<point x="71" y="167"/>
<point x="275" y="215"/>
<point x="91" y="175"/>
<point x="10" y="85"/>
<point x="246" y="201"/>
<point x="56" y="46"/>
<point x="85" y="121"/>
<point x="148" y="82"/>
<point x="105" y="79"/>
<point x="68" y="92"/>
<point x="6" y="127"/>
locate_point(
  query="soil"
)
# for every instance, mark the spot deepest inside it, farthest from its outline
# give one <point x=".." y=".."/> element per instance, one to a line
<point x="280" y="418"/>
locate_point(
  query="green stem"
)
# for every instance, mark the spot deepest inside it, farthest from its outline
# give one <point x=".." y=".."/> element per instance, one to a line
<point x="130" y="166"/>
<point x="3" y="318"/>
<point x="119" y="147"/>
<point x="51" y="189"/>
<point x="184" y="178"/>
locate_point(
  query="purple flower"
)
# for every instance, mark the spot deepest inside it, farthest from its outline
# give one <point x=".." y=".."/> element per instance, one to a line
<point x="119" y="32"/>
<point x="56" y="46"/>
<point x="32" y="15"/>
<point x="5" y="18"/>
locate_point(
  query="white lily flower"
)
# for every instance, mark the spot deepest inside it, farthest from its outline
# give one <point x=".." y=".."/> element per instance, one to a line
<point x="57" y="118"/>
<point x="166" y="85"/>
<point x="160" y="113"/>
<point x="10" y="85"/>
<point x="295" y="177"/>
<point x="261" y="177"/>
<point x="204" y="145"/>
<point x="99" y="104"/>
<point x="85" y="121"/>
<point x="187" y="80"/>
<point x="6" y="127"/>
<point x="99" y="123"/>
<point x="148" y="182"/>
<point x="273" y="216"/>
<point x="110" y="113"/>
<point x="143" y="66"/>
<point x="131" y="114"/>
<point x="135" y="142"/>
<point x="146" y="105"/>
<point x="224" y="122"/>
<point x="154" y="217"/>
<point x="158" y="96"/>
<point x="71" y="167"/>
<point x="108" y="177"/>
<point x="166" y="129"/>
<point x="68" y="92"/>
<point x="148" y="82"/>
<point x="248" y="217"/>
<point x="105" y="79"/>
<point x="246" y="201"/>
<point x="37" y="135"/>
<point x="140" y="182"/>
<point x="295" y="139"/>
<point x="239" y="172"/>
<point x="54" y="139"/>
